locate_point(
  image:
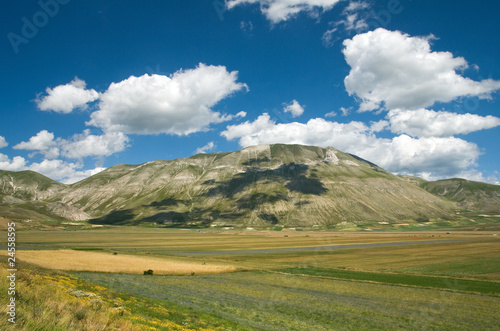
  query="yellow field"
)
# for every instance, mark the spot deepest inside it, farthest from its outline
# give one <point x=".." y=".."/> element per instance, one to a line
<point x="107" y="262"/>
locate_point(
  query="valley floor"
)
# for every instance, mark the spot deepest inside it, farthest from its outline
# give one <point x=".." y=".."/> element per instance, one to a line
<point x="276" y="280"/>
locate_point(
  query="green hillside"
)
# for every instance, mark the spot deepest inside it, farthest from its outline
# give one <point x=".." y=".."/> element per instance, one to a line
<point x="469" y="195"/>
<point x="26" y="195"/>
<point x="257" y="186"/>
<point x="267" y="185"/>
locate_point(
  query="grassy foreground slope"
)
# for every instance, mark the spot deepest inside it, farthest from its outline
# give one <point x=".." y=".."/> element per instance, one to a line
<point x="269" y="301"/>
<point x="56" y="301"/>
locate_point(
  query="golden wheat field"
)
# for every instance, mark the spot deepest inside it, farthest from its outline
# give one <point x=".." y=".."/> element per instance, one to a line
<point x="107" y="262"/>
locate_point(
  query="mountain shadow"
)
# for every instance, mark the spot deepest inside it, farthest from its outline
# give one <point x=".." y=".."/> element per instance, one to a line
<point x="116" y="217"/>
<point x="269" y="218"/>
<point x="252" y="201"/>
<point x="165" y="203"/>
<point x="292" y="175"/>
<point x="253" y="162"/>
<point x="170" y="217"/>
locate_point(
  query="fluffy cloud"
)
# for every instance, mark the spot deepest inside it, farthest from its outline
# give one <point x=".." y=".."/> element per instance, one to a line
<point x="62" y="171"/>
<point x="77" y="147"/>
<point x="77" y="176"/>
<point x="429" y="157"/>
<point x="86" y="144"/>
<point x="42" y="143"/>
<point x="317" y="132"/>
<point x="294" y="108"/>
<point x="59" y="170"/>
<point x="179" y="104"/>
<point x="241" y="114"/>
<point x="66" y="98"/>
<point x="16" y="164"/>
<point x="3" y="142"/>
<point x="208" y="147"/>
<point x="392" y="69"/>
<point x="282" y="10"/>
<point x="432" y="157"/>
<point x="429" y="123"/>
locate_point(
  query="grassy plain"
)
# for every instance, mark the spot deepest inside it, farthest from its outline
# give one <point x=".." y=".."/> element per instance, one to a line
<point x="258" y="300"/>
<point x="105" y="262"/>
<point x="418" y="280"/>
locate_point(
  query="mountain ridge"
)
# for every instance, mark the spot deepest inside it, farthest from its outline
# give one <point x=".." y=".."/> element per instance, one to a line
<point x="264" y="185"/>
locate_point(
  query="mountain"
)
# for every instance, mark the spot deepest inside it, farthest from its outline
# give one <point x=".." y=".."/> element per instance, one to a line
<point x="28" y="185"/>
<point x="256" y="186"/>
<point x="469" y="195"/>
<point x="25" y="195"/>
<point x="266" y="185"/>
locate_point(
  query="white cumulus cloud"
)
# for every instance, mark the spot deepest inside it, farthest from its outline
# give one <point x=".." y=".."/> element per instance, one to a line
<point x="17" y="163"/>
<point x="179" y="104"/>
<point x="79" y="175"/>
<point x="241" y="114"/>
<point x="66" y="98"/>
<point x="62" y="171"/>
<point x="86" y="144"/>
<point x="395" y="70"/>
<point x="208" y="147"/>
<point x="294" y="108"/>
<point x="59" y="170"/>
<point x="433" y="157"/>
<point x="317" y="132"/>
<point x="43" y="143"/>
<point x="77" y="147"/>
<point x="428" y="157"/>
<point x="429" y="123"/>
<point x="282" y="10"/>
<point x="3" y="142"/>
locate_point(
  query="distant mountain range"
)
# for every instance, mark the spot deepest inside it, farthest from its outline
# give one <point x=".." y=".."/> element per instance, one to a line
<point x="266" y="185"/>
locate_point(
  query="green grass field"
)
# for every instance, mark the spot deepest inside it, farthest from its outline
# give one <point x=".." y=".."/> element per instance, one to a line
<point x="258" y="300"/>
<point x="294" y="280"/>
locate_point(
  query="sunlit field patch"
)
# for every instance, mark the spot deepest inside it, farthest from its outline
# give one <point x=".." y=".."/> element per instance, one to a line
<point x="107" y="262"/>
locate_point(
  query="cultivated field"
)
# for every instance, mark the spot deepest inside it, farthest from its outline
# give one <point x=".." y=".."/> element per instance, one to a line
<point x="287" y="280"/>
<point x="106" y="262"/>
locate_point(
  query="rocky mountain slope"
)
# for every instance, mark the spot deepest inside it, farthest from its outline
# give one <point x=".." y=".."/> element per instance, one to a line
<point x="260" y="185"/>
<point x="468" y="194"/>
<point x="263" y="185"/>
<point x="26" y="194"/>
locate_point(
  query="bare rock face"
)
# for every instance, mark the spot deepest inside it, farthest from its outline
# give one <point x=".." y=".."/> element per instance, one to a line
<point x="10" y="200"/>
<point x="331" y="157"/>
<point x="67" y="212"/>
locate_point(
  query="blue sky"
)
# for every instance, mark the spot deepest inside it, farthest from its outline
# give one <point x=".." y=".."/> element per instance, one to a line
<point x="409" y="85"/>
